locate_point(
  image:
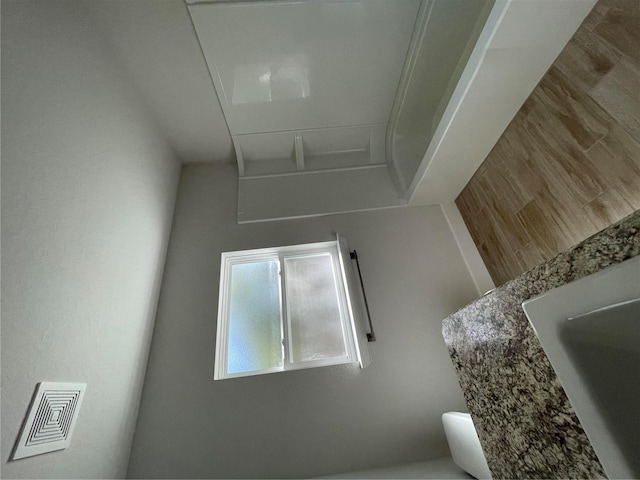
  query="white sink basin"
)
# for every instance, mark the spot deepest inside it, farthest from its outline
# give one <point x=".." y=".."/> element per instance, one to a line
<point x="590" y="330"/>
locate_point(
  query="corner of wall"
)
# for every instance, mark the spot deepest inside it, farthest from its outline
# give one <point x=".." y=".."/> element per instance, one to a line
<point x="472" y="259"/>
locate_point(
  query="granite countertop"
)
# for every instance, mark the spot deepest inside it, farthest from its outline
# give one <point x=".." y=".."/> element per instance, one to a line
<point x="526" y="425"/>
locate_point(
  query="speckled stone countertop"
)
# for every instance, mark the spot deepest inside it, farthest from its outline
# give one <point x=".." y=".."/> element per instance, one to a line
<point x="527" y="427"/>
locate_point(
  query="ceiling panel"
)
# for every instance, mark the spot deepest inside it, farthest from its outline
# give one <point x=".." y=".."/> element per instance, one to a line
<point x="302" y="65"/>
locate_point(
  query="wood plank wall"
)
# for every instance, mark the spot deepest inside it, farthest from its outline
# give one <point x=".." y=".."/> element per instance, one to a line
<point x="568" y="165"/>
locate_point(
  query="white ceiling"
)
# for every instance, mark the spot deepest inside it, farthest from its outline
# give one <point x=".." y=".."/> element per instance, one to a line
<point x="156" y="45"/>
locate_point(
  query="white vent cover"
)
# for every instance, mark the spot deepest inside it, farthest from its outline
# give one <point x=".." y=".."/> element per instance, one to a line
<point x="51" y="419"/>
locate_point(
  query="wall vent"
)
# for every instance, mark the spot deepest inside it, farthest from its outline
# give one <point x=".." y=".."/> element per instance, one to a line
<point x="51" y="419"/>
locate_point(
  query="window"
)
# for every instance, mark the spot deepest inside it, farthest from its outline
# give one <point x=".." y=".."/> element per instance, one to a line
<point x="287" y="308"/>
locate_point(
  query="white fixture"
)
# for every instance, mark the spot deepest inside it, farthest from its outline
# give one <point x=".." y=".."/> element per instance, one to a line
<point x="464" y="444"/>
<point x="349" y="105"/>
<point x="590" y="331"/>
<point x="51" y="419"/>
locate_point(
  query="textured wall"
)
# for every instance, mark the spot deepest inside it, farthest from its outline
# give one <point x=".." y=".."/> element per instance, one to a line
<point x="568" y="165"/>
<point x="88" y="190"/>
<point x="526" y="425"/>
<point x="309" y="422"/>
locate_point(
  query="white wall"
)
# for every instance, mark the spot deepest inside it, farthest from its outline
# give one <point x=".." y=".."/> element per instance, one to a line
<point x="88" y="190"/>
<point x="310" y="422"/>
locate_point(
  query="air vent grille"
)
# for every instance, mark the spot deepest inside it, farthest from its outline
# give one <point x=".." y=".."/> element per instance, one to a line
<point x="51" y="419"/>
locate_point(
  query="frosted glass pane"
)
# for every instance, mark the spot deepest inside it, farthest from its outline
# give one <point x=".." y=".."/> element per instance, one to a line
<point x="315" y="328"/>
<point x="255" y="341"/>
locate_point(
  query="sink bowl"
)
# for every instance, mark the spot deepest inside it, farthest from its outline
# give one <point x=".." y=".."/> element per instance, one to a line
<point x="590" y="330"/>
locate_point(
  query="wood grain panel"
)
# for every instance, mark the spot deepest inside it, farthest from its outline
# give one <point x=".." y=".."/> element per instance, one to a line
<point x="607" y="208"/>
<point x="568" y="165"/>
<point x="529" y="256"/>
<point x="617" y="158"/>
<point x="586" y="59"/>
<point x="618" y="93"/>
<point x="580" y="119"/>
<point x="619" y="27"/>
<point x="544" y="230"/>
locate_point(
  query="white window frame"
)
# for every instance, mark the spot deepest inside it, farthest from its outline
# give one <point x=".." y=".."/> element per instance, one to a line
<point x="348" y="324"/>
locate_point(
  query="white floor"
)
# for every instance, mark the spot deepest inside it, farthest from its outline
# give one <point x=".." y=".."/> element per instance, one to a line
<point x="440" y="468"/>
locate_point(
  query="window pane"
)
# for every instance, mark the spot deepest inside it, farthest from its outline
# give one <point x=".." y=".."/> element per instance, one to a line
<point x="313" y="311"/>
<point x="255" y="341"/>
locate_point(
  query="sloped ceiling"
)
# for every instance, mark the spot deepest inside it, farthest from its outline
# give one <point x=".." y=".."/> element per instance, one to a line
<point x="156" y="45"/>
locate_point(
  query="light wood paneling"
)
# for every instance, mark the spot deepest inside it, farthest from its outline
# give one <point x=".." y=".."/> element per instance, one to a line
<point x="568" y="165"/>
